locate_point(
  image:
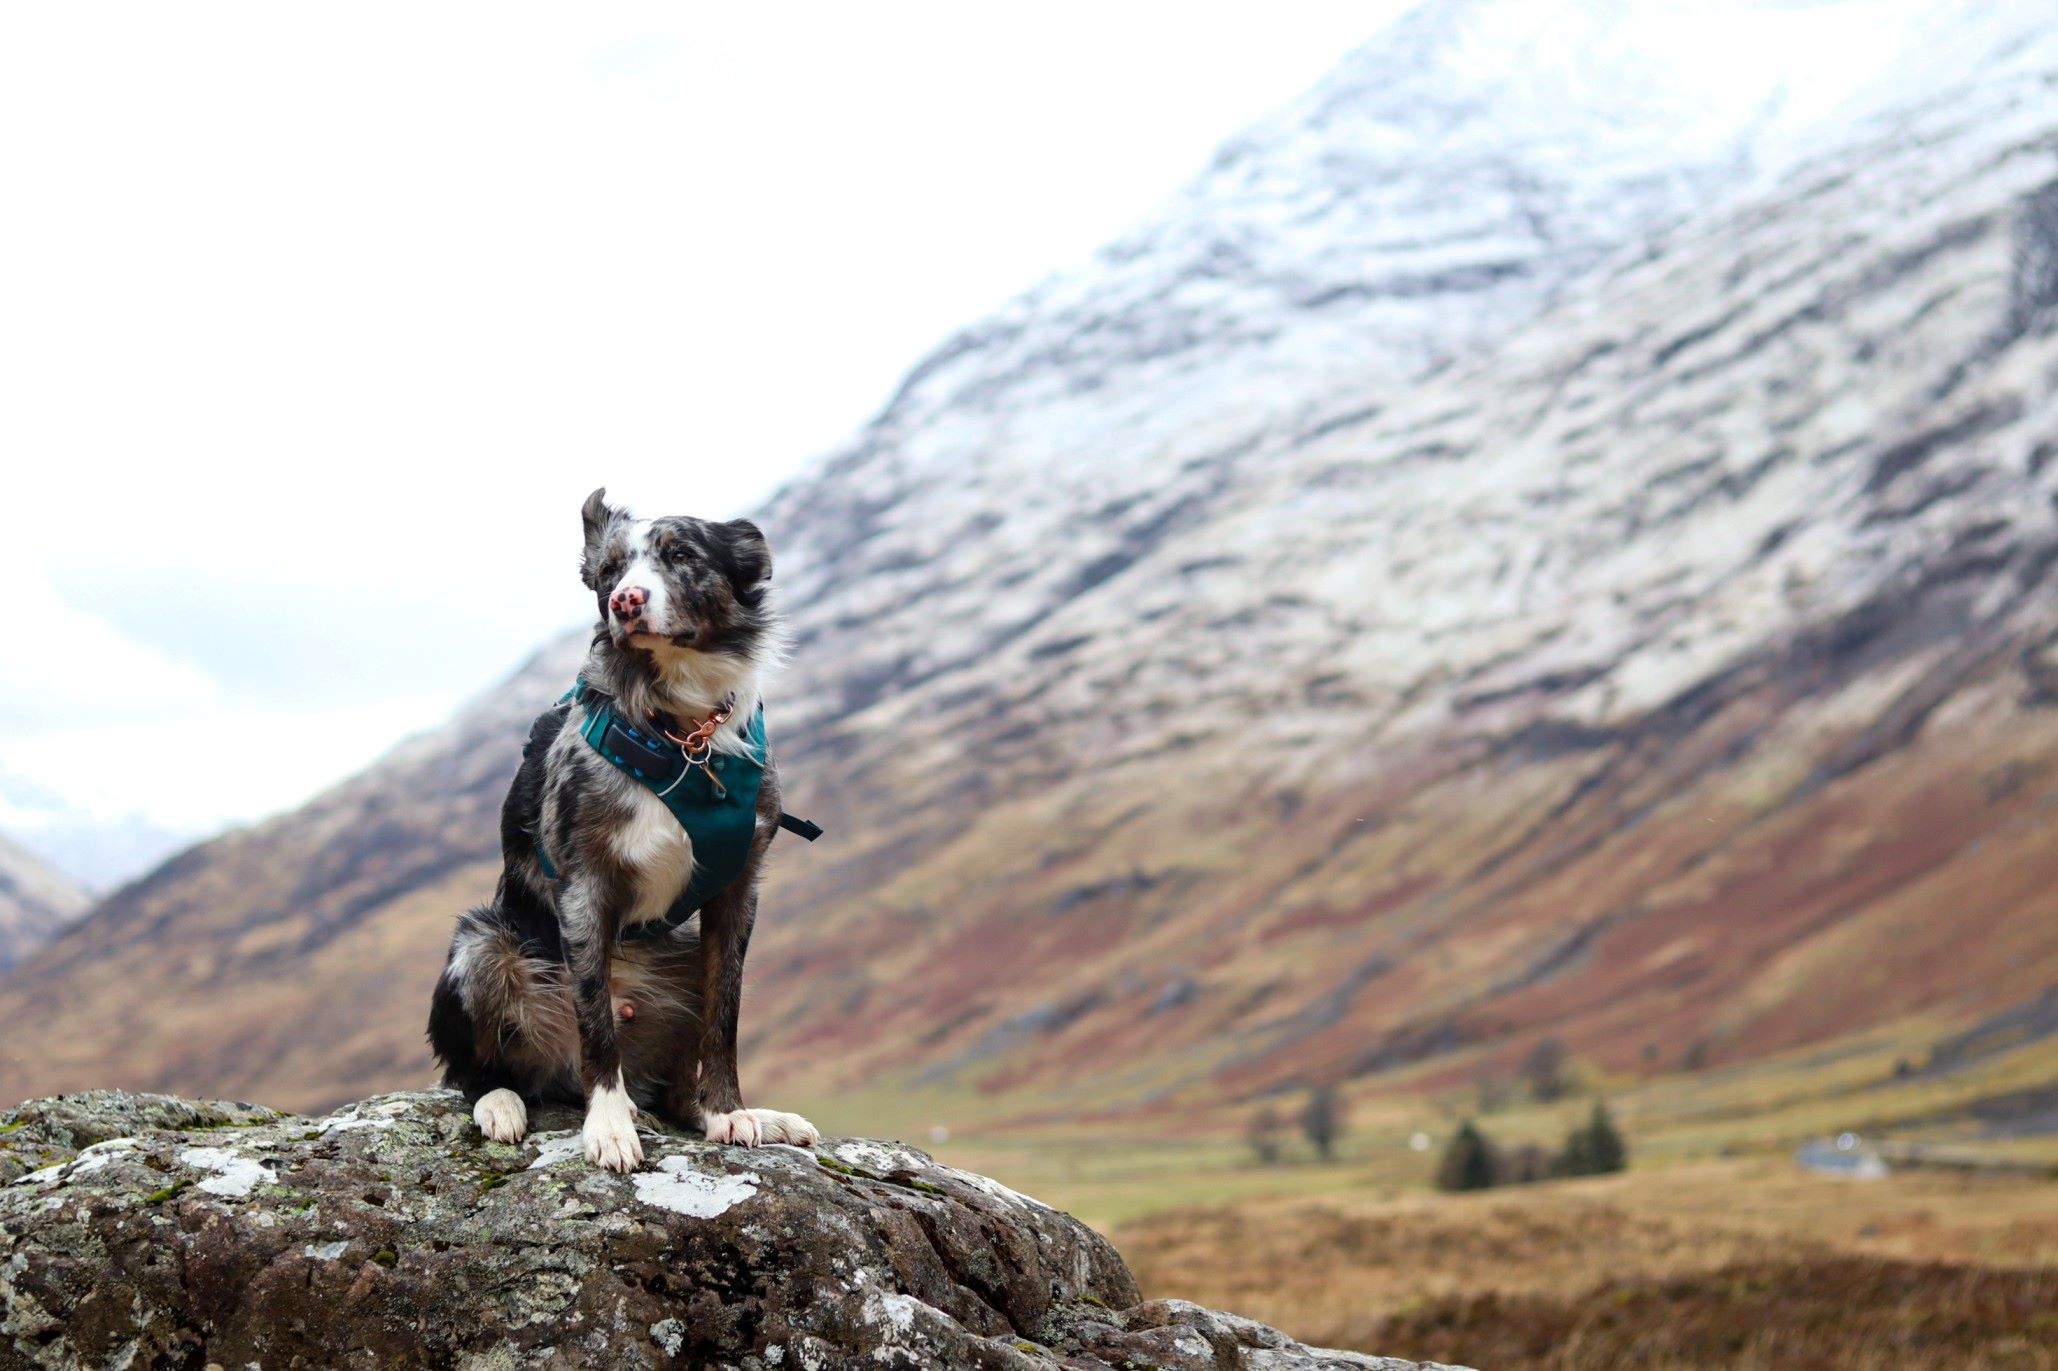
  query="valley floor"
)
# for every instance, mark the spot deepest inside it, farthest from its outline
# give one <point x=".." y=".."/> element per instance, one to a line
<point x="1715" y="1249"/>
<point x="1738" y="1263"/>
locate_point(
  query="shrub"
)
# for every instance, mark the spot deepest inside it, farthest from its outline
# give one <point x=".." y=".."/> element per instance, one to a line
<point x="1547" y="1070"/>
<point x="1263" y="1134"/>
<point x="1522" y="1165"/>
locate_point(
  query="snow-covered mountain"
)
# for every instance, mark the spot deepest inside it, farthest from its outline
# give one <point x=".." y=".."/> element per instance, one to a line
<point x="34" y="902"/>
<point x="1445" y="184"/>
<point x="1549" y="534"/>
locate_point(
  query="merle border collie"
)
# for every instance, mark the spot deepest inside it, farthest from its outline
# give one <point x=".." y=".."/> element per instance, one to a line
<point x="542" y="996"/>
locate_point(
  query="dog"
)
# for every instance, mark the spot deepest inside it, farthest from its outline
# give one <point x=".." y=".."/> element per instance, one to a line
<point x="582" y="980"/>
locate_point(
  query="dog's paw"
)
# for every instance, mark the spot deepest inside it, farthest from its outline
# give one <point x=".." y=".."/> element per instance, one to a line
<point x="778" y="1126"/>
<point x="501" y="1115"/>
<point x="739" y="1127"/>
<point x="611" y="1139"/>
<point x="758" y="1127"/>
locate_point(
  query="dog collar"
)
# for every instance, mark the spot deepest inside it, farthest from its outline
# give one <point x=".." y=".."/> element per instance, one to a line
<point x="712" y="794"/>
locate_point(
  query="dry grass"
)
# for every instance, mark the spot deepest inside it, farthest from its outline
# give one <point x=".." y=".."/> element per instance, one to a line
<point x="1728" y="1263"/>
<point x="1839" y="1313"/>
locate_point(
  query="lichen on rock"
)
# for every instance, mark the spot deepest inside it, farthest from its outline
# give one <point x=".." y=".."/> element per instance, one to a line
<point x="143" y="1230"/>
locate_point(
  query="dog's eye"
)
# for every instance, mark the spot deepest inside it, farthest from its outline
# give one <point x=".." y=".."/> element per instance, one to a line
<point x="678" y="553"/>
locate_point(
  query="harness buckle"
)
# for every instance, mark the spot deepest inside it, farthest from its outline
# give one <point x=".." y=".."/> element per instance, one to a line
<point x="701" y="736"/>
<point x="698" y="747"/>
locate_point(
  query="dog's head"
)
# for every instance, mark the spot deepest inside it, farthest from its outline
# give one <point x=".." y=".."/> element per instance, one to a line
<point x="676" y="584"/>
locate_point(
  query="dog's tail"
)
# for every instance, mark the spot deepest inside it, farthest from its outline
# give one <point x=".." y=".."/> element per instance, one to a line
<point x="514" y="1005"/>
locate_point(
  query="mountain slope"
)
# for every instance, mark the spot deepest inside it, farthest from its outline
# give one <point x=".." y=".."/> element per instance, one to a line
<point x="1673" y="679"/>
<point x="1430" y="589"/>
<point x="34" y="902"/>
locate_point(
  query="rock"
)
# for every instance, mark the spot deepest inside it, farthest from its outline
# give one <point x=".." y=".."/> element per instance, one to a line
<point x="143" y="1230"/>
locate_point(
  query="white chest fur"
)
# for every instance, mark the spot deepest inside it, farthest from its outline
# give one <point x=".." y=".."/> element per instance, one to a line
<point x="655" y="847"/>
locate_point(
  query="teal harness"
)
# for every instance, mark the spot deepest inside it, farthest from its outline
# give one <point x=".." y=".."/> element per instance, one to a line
<point x="713" y="796"/>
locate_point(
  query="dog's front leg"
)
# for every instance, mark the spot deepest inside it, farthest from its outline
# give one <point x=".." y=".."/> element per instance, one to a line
<point x="591" y="914"/>
<point x="725" y="924"/>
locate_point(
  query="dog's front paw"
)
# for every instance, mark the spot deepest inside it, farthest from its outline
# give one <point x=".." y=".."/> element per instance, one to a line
<point x="778" y="1126"/>
<point x="738" y="1126"/>
<point x="611" y="1139"/>
<point x="756" y="1127"/>
<point x="501" y="1115"/>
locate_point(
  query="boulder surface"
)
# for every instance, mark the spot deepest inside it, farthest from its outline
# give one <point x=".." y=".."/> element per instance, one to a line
<point x="151" y="1231"/>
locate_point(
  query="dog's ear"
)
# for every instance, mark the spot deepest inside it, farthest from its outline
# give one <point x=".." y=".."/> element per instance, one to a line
<point x="749" y="557"/>
<point x="596" y="515"/>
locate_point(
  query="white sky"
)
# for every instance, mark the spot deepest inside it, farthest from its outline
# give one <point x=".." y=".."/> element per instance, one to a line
<point x="317" y="323"/>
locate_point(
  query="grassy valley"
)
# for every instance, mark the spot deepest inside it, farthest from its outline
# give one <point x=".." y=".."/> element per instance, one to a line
<point x="1715" y="1248"/>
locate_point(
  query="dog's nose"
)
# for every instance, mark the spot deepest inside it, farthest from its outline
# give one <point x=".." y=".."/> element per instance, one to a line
<point x="628" y="601"/>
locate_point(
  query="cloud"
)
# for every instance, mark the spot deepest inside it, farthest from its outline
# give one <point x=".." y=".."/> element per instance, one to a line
<point x="68" y="666"/>
<point x="207" y="768"/>
<point x="321" y="323"/>
<point x="653" y="63"/>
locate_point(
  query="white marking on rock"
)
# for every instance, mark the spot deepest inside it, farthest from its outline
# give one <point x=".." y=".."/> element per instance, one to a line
<point x="899" y="1311"/>
<point x="895" y="1315"/>
<point x="234" y="1173"/>
<point x="676" y="1186"/>
<point x="878" y="1157"/>
<point x="327" y="1251"/>
<point x="85" y="1164"/>
<point x="343" y="1123"/>
<point x="995" y="1188"/>
<point x="554" y="1148"/>
<point x="669" y="1334"/>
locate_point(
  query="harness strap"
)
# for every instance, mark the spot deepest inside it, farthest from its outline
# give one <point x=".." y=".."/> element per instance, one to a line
<point x="718" y="815"/>
<point x="804" y="827"/>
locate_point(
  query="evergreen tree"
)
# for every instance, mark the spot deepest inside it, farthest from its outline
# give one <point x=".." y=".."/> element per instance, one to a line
<point x="1323" y="1119"/>
<point x="1593" y="1148"/>
<point x="1604" y="1146"/>
<point x="1467" y="1162"/>
<point x="1572" y="1159"/>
